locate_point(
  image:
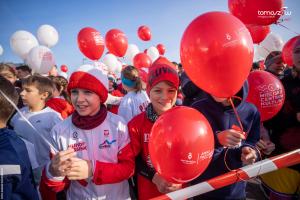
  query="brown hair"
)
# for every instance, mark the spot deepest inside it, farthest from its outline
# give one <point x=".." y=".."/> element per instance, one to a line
<point x="132" y="73"/>
<point x="43" y="84"/>
<point x="58" y="86"/>
<point x="169" y="83"/>
<point x="63" y="82"/>
<point x="271" y="55"/>
<point x="6" y="109"/>
<point x="5" y="67"/>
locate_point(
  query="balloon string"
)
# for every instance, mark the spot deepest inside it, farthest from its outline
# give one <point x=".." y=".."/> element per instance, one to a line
<point x="272" y="53"/>
<point x="286" y="28"/>
<point x="241" y="130"/>
<point x="14" y="105"/>
<point x="152" y="43"/>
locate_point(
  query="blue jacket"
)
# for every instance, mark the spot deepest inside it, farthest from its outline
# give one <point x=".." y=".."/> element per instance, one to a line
<point x="18" y="181"/>
<point x="222" y="118"/>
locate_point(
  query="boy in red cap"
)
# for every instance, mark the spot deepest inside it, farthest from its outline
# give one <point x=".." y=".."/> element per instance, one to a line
<point x="162" y="87"/>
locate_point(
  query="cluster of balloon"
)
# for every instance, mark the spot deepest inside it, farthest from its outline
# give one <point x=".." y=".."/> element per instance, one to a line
<point x="116" y="42"/>
<point x="153" y="53"/>
<point x="132" y="51"/>
<point x="90" y="43"/>
<point x="142" y="60"/>
<point x="161" y="49"/>
<point x="41" y="59"/>
<point x="272" y="42"/>
<point x="209" y="57"/>
<point x="144" y="33"/>
<point x="287" y="51"/>
<point x="262" y="65"/>
<point x="266" y="92"/>
<point x="64" y="68"/>
<point x="47" y="35"/>
<point x="256" y="12"/>
<point x="102" y="66"/>
<point x="187" y="155"/>
<point x="258" y="33"/>
<point x="1" y="50"/>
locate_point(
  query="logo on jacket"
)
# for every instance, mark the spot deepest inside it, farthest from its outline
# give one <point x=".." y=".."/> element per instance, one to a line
<point x="106" y="144"/>
<point x="106" y="133"/>
<point x="146" y="137"/>
<point x="75" y="135"/>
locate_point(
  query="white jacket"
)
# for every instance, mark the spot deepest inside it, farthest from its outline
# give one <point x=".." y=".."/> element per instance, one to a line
<point x="108" y="147"/>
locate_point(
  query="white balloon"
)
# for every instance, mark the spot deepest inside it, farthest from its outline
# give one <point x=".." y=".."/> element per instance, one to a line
<point x="111" y="62"/>
<point x="256" y="56"/>
<point x="153" y="53"/>
<point x="119" y="67"/>
<point x="41" y="59"/>
<point x="64" y="74"/>
<point x="132" y="50"/>
<point x="272" y="42"/>
<point x="1" y="50"/>
<point x="47" y="35"/>
<point x="22" y="42"/>
<point x="101" y="66"/>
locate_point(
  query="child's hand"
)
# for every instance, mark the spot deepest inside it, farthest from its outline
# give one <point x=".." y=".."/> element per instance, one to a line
<point x="230" y="138"/>
<point x="80" y="169"/>
<point x="161" y="184"/>
<point x="248" y="156"/>
<point x="269" y="149"/>
<point x="261" y="145"/>
<point x="173" y="188"/>
<point x="59" y="163"/>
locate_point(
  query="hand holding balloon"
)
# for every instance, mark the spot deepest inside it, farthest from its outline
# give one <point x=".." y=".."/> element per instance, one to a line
<point x="230" y="138"/>
<point x="248" y="156"/>
<point x="164" y="186"/>
<point x="59" y="163"/>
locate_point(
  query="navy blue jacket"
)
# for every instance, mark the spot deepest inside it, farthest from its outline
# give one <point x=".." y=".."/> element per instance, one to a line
<point x="222" y="118"/>
<point x="18" y="181"/>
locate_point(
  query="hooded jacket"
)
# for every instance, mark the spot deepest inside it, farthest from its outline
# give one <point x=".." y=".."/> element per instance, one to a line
<point x="223" y="118"/>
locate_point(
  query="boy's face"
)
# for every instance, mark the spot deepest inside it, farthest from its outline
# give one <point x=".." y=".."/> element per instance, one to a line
<point x="85" y="102"/>
<point x="277" y="67"/>
<point x="31" y="96"/>
<point x="163" y="97"/>
<point x="22" y="74"/>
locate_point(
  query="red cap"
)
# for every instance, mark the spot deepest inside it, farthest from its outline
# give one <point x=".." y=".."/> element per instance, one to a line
<point x="161" y="70"/>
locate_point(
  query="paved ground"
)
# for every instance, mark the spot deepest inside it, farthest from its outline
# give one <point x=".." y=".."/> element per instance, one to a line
<point x="253" y="191"/>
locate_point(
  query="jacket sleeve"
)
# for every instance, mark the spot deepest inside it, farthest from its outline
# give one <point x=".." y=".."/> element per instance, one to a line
<point x="143" y="169"/>
<point x="108" y="173"/>
<point x="188" y="87"/>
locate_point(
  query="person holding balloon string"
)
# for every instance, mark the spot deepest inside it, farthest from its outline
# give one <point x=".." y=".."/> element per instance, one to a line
<point x="162" y="90"/>
<point x="220" y="113"/>
<point x="95" y="156"/>
<point x="285" y="126"/>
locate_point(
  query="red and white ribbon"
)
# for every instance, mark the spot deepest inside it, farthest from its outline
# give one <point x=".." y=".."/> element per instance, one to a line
<point x="267" y="165"/>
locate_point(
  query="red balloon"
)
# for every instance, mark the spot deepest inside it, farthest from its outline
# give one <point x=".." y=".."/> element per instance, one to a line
<point x="90" y="43"/>
<point x="177" y="156"/>
<point x="262" y="66"/>
<point x="256" y="12"/>
<point x="144" y="33"/>
<point x="145" y="51"/>
<point x="64" y="68"/>
<point x="108" y="52"/>
<point x="210" y="57"/>
<point x="287" y="51"/>
<point x="142" y="60"/>
<point x="143" y="73"/>
<point x="116" y="42"/>
<point x="258" y="33"/>
<point x="266" y="92"/>
<point x="161" y="49"/>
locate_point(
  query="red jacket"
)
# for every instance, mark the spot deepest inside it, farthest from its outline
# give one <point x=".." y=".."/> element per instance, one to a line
<point x="115" y="108"/>
<point x="61" y="106"/>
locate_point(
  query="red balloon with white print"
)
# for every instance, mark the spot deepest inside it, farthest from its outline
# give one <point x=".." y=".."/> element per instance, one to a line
<point x="258" y="33"/>
<point x="266" y="92"/>
<point x="181" y="144"/>
<point x="287" y="51"/>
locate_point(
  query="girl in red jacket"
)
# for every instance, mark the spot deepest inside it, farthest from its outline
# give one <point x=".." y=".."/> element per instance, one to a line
<point x="162" y="87"/>
<point x="60" y="100"/>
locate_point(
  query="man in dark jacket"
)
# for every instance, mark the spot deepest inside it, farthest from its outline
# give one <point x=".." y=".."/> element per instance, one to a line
<point x="191" y="92"/>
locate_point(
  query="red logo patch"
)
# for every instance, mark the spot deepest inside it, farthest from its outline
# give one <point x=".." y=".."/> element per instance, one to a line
<point x="106" y="133"/>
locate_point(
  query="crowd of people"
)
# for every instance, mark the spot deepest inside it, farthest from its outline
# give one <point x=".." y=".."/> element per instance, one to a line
<point x="88" y="136"/>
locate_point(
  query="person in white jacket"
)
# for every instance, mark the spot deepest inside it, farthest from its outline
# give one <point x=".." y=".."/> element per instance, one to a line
<point x="136" y="100"/>
<point x="95" y="156"/>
